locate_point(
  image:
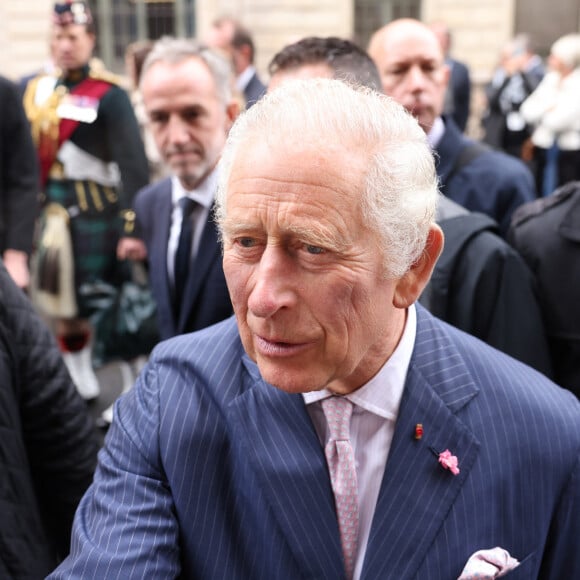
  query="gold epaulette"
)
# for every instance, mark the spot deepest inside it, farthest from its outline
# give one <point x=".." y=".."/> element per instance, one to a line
<point x="29" y="96"/>
<point x="98" y="72"/>
<point x="42" y="115"/>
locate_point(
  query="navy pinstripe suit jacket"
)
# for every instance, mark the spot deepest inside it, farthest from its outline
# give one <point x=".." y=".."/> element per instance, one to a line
<point x="209" y="473"/>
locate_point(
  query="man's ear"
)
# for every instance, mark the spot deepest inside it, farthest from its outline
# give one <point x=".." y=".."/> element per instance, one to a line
<point x="411" y="285"/>
<point x="232" y="112"/>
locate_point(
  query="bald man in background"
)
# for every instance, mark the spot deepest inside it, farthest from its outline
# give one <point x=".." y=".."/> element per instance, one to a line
<point x="413" y="72"/>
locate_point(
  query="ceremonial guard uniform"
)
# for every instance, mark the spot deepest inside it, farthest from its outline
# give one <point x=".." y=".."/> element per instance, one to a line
<point x="92" y="162"/>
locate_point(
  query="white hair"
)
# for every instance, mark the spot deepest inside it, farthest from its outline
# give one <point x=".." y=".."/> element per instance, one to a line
<point x="567" y="49"/>
<point x="400" y="188"/>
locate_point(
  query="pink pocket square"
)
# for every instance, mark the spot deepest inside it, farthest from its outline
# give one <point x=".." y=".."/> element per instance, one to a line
<point x="488" y="564"/>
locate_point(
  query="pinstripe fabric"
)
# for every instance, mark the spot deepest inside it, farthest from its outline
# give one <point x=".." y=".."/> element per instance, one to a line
<point x="210" y="473"/>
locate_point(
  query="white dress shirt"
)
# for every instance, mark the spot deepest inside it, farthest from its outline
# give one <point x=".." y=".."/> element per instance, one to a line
<point x="436" y="133"/>
<point x="204" y="196"/>
<point x="244" y="78"/>
<point x="376" y="407"/>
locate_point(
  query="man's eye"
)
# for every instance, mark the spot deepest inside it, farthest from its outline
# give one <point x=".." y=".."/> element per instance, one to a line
<point x="191" y="115"/>
<point x="246" y="242"/>
<point x="314" y="249"/>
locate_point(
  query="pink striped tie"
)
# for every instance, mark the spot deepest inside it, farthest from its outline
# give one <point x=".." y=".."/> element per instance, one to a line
<point x="340" y="458"/>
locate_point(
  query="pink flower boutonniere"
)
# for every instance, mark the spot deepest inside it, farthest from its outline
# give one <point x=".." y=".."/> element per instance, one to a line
<point x="449" y="461"/>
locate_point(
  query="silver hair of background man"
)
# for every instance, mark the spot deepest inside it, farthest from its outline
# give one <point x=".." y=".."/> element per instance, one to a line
<point x="175" y="50"/>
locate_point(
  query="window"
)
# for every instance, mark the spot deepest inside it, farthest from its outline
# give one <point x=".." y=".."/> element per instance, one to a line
<point x="120" y="22"/>
<point x="370" y="15"/>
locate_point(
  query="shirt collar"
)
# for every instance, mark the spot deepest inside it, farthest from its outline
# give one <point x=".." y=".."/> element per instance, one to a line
<point x="436" y="133"/>
<point x="382" y="394"/>
<point x="203" y="194"/>
<point x="244" y="78"/>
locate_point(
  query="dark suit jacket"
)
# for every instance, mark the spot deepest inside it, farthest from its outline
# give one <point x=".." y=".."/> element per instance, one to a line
<point x="205" y="298"/>
<point x="459" y="93"/>
<point x="19" y="178"/>
<point x="493" y="183"/>
<point x="254" y="91"/>
<point x="209" y="472"/>
<point x="547" y="234"/>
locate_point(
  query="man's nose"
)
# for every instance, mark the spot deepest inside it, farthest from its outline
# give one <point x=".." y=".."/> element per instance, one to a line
<point x="273" y="288"/>
<point x="63" y="45"/>
<point x="177" y="131"/>
<point x="415" y="78"/>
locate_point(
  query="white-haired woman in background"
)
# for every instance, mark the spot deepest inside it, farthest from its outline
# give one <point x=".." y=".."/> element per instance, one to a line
<point x="554" y="111"/>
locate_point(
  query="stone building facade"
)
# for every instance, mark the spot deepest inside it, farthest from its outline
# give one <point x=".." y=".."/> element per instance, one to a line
<point x="480" y="27"/>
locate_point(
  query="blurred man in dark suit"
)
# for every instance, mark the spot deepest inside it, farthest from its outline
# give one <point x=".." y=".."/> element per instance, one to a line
<point x="458" y="95"/>
<point x="186" y="91"/>
<point x="413" y="70"/>
<point x="228" y="35"/>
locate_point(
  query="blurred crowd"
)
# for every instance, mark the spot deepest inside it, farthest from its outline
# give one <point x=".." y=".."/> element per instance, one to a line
<point x="107" y="189"/>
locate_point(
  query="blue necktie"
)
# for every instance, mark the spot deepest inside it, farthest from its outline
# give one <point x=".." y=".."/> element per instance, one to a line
<point x="183" y="253"/>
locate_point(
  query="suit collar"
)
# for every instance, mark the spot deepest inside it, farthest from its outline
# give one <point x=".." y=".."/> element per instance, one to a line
<point x="158" y="252"/>
<point x="417" y="493"/>
<point x="448" y="149"/>
<point x="203" y="194"/>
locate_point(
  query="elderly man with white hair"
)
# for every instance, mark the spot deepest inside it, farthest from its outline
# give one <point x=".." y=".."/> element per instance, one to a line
<point x="332" y="428"/>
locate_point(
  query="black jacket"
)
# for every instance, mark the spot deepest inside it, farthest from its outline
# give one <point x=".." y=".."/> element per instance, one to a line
<point x="48" y="444"/>
<point x="19" y="179"/>
<point x="492" y="183"/>
<point x="547" y="234"/>
<point x="481" y="285"/>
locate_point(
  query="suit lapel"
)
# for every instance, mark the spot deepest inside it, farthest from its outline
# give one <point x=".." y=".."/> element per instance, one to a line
<point x="448" y="150"/>
<point x="417" y="493"/>
<point x="287" y="457"/>
<point x="158" y="248"/>
<point x="209" y="251"/>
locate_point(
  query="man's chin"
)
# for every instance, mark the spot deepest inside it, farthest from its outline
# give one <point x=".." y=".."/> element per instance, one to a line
<point x="424" y="117"/>
<point x="426" y="121"/>
<point x="189" y="179"/>
<point x="288" y="380"/>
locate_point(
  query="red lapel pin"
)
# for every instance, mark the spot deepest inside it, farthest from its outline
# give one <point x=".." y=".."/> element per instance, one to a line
<point x="418" y="431"/>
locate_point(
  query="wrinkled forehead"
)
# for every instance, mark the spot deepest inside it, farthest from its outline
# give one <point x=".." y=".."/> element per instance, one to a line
<point x="286" y="166"/>
<point x="303" y="147"/>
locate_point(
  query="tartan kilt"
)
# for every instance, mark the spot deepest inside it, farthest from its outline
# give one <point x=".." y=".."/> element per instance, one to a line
<point x="95" y="226"/>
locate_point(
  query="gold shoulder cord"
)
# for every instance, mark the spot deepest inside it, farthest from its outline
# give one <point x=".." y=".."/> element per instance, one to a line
<point x="44" y="121"/>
